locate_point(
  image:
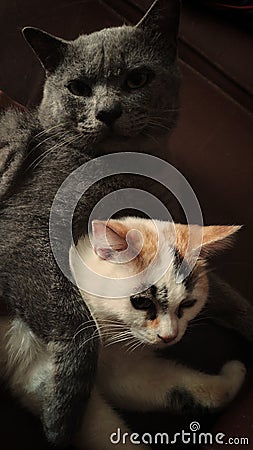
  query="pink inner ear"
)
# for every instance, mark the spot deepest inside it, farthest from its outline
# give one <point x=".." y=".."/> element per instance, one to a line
<point x="106" y="241"/>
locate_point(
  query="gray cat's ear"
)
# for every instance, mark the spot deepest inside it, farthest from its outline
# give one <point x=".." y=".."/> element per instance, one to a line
<point x="49" y="49"/>
<point x="162" y="18"/>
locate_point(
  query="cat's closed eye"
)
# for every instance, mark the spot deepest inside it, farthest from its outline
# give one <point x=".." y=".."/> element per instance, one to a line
<point x="141" y="303"/>
<point x="138" y="78"/>
<point x="79" y="88"/>
<point x="185" y="304"/>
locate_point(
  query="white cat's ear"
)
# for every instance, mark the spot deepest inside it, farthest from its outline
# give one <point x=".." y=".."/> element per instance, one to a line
<point x="217" y="237"/>
<point x="162" y="18"/>
<point x="49" y="49"/>
<point x="115" y="241"/>
<point x="108" y="238"/>
<point x="214" y="238"/>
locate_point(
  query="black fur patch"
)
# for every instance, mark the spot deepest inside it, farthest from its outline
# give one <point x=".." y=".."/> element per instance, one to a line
<point x="162" y="297"/>
<point x="181" y="400"/>
<point x="181" y="268"/>
<point x="178" y="259"/>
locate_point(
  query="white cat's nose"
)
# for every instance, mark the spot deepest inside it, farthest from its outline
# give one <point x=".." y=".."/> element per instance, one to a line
<point x="167" y="338"/>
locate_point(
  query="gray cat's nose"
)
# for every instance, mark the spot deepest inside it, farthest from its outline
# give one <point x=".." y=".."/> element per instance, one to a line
<point x="109" y="115"/>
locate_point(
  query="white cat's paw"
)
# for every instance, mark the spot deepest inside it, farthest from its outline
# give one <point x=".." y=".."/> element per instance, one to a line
<point x="234" y="372"/>
<point x="234" y="369"/>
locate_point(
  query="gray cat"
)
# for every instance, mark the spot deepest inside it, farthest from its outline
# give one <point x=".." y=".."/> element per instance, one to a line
<point x="116" y="89"/>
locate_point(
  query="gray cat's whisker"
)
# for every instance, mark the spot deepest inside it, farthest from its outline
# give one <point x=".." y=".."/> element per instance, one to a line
<point x="158" y="124"/>
<point x="57" y="134"/>
<point x="166" y="111"/>
<point x="47" y="130"/>
<point x="48" y="152"/>
<point x="151" y="137"/>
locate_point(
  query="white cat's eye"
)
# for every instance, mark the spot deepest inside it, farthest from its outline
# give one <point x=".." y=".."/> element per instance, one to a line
<point x="188" y="303"/>
<point x="79" y="88"/>
<point x="185" y="304"/>
<point x="141" y="302"/>
<point x="137" y="79"/>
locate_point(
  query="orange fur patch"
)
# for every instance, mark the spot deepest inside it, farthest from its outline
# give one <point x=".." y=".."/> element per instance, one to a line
<point x="153" y="323"/>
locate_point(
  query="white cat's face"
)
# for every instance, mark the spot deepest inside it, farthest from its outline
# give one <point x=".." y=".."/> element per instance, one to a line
<point x="160" y="314"/>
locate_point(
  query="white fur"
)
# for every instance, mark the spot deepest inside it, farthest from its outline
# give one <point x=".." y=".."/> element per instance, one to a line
<point x="25" y="362"/>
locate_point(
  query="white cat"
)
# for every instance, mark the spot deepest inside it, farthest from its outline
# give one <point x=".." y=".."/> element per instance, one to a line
<point x="131" y="329"/>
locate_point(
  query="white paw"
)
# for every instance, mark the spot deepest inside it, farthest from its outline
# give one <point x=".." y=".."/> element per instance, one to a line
<point x="234" y="369"/>
<point x="234" y="373"/>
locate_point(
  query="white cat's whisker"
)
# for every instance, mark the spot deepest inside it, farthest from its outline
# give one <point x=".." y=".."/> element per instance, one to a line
<point x="132" y="343"/>
<point x="134" y="346"/>
<point x="112" y="335"/>
<point x="82" y="330"/>
<point x="89" y="339"/>
<point x="116" y="341"/>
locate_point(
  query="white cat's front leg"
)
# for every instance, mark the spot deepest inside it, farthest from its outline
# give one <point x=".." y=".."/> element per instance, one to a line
<point x="150" y="383"/>
<point x="103" y="428"/>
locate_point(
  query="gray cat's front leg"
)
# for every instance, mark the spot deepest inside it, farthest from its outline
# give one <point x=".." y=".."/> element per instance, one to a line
<point x="230" y="309"/>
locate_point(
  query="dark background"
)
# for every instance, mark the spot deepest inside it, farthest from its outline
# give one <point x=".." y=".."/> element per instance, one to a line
<point x="212" y="146"/>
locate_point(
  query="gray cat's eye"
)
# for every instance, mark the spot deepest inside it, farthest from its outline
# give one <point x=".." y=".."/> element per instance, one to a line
<point x="138" y="78"/>
<point x="79" y="88"/>
<point x="141" y="302"/>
